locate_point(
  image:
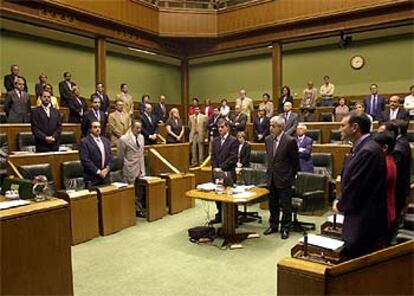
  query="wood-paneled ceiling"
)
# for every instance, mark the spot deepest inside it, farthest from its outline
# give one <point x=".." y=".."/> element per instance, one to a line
<point x="190" y="33"/>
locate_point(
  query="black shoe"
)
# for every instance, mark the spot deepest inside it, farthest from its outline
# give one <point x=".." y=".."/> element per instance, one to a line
<point x="285" y="233"/>
<point x="140" y="214"/>
<point x="270" y="230"/>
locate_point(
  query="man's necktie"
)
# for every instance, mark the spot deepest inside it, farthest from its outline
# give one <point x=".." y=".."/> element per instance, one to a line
<point x="136" y="140"/>
<point x="97" y="115"/>
<point x="275" y="144"/>
<point x="102" y="149"/>
<point x="222" y="140"/>
<point x="21" y="97"/>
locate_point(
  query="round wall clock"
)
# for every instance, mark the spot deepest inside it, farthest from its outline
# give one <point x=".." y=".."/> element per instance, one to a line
<point x="357" y="62"/>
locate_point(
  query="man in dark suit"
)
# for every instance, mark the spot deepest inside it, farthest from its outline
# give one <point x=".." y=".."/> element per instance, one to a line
<point x="394" y="112"/>
<point x="77" y="106"/>
<point x="224" y="158"/>
<point x="17" y="104"/>
<point x="96" y="157"/>
<point x="291" y="119"/>
<point x="100" y="93"/>
<point x="212" y="124"/>
<point x="282" y="167"/>
<point x="160" y="111"/>
<point x="363" y="201"/>
<point x="403" y="161"/>
<point x="46" y="125"/>
<point x="374" y="103"/>
<point x="150" y="129"/>
<point x="238" y="121"/>
<point x="261" y="126"/>
<point x="65" y="89"/>
<point x="10" y="79"/>
<point x="94" y="114"/>
<point x="305" y="149"/>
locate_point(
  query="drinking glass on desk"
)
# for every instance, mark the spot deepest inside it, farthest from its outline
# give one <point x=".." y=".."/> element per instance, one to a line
<point x="219" y="186"/>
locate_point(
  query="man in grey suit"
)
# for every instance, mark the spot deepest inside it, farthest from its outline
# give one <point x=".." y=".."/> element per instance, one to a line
<point x="131" y="154"/>
<point x="238" y="121"/>
<point x="282" y="167"/>
<point x="291" y="119"/>
<point x="17" y="103"/>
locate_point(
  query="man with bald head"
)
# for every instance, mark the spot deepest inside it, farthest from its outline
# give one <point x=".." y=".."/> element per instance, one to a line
<point x="394" y="112"/>
<point x="150" y="129"/>
<point x="160" y="110"/>
<point x="10" y="79"/>
<point x="291" y="119"/>
<point x="246" y="104"/>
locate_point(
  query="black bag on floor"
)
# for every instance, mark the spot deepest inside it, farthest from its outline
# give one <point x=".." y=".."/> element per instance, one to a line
<point x="196" y="233"/>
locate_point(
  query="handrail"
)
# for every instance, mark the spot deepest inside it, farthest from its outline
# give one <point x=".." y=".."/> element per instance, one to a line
<point x="164" y="161"/>
<point x="14" y="169"/>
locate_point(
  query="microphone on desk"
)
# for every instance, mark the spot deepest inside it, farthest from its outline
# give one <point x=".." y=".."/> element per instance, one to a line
<point x="305" y="244"/>
<point x="334" y="222"/>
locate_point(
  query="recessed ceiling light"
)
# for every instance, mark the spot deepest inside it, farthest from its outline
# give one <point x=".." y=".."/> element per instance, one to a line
<point x="142" y="51"/>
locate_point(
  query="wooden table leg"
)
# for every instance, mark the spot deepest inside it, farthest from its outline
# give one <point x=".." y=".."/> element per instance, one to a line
<point x="228" y="230"/>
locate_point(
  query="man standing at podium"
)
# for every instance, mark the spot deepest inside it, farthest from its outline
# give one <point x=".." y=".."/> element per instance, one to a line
<point x="224" y="159"/>
<point x="363" y="201"/>
<point x="131" y="154"/>
<point x="95" y="156"/>
<point x="283" y="165"/>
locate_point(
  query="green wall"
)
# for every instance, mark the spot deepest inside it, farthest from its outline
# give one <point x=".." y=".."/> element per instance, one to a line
<point x="389" y="62"/>
<point x="143" y="77"/>
<point x="224" y="79"/>
<point x="35" y="55"/>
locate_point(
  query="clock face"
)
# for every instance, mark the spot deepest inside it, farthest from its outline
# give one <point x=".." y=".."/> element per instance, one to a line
<point x="357" y="62"/>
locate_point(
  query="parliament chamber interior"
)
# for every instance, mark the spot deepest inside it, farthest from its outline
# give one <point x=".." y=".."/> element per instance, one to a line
<point x="207" y="147"/>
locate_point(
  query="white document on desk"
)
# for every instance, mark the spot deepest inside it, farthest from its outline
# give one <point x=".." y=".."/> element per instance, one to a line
<point x="243" y="195"/>
<point x="120" y="185"/>
<point x="339" y="219"/>
<point x="13" y="203"/>
<point x="324" y="242"/>
<point x="149" y="178"/>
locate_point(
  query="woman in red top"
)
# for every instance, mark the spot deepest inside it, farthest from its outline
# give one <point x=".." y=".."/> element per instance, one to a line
<point x="386" y="140"/>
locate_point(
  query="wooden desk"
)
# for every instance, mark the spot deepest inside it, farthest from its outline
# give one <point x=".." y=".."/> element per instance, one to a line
<point x="229" y="210"/>
<point x="54" y="158"/>
<point x="387" y="272"/>
<point x="116" y="208"/>
<point x="202" y="175"/>
<point x="12" y="129"/>
<point x="178" y="185"/>
<point x="83" y="214"/>
<point x="155" y="197"/>
<point x="177" y="154"/>
<point x="35" y="249"/>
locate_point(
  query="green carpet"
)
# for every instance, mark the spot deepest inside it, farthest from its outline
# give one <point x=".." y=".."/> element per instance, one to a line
<point x="157" y="259"/>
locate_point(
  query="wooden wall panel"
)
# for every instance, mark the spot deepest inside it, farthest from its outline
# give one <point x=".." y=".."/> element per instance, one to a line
<point x="125" y="11"/>
<point x="181" y="23"/>
<point x="261" y="15"/>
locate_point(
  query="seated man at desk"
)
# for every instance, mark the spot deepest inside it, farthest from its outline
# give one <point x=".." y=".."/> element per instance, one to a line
<point x="363" y="201"/>
<point x="96" y="157"/>
<point x="46" y="124"/>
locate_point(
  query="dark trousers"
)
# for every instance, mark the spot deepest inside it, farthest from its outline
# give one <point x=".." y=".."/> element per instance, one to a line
<point x="280" y="198"/>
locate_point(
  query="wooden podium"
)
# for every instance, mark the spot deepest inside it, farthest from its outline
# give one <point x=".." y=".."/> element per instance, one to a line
<point x="386" y="272"/>
<point x="178" y="185"/>
<point x="35" y="249"/>
<point x="83" y="214"/>
<point x="156" y="201"/>
<point x="116" y="208"/>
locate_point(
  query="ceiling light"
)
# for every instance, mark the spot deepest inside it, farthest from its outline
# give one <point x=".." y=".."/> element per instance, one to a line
<point x="142" y="51"/>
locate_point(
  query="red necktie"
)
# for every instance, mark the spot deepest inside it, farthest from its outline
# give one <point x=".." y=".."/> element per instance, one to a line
<point x="21" y="97"/>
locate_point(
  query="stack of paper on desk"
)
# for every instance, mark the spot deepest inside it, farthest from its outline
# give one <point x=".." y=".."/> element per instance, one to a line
<point x="13" y="203"/>
<point x="206" y="186"/>
<point x="119" y="185"/>
<point x="324" y="242"/>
